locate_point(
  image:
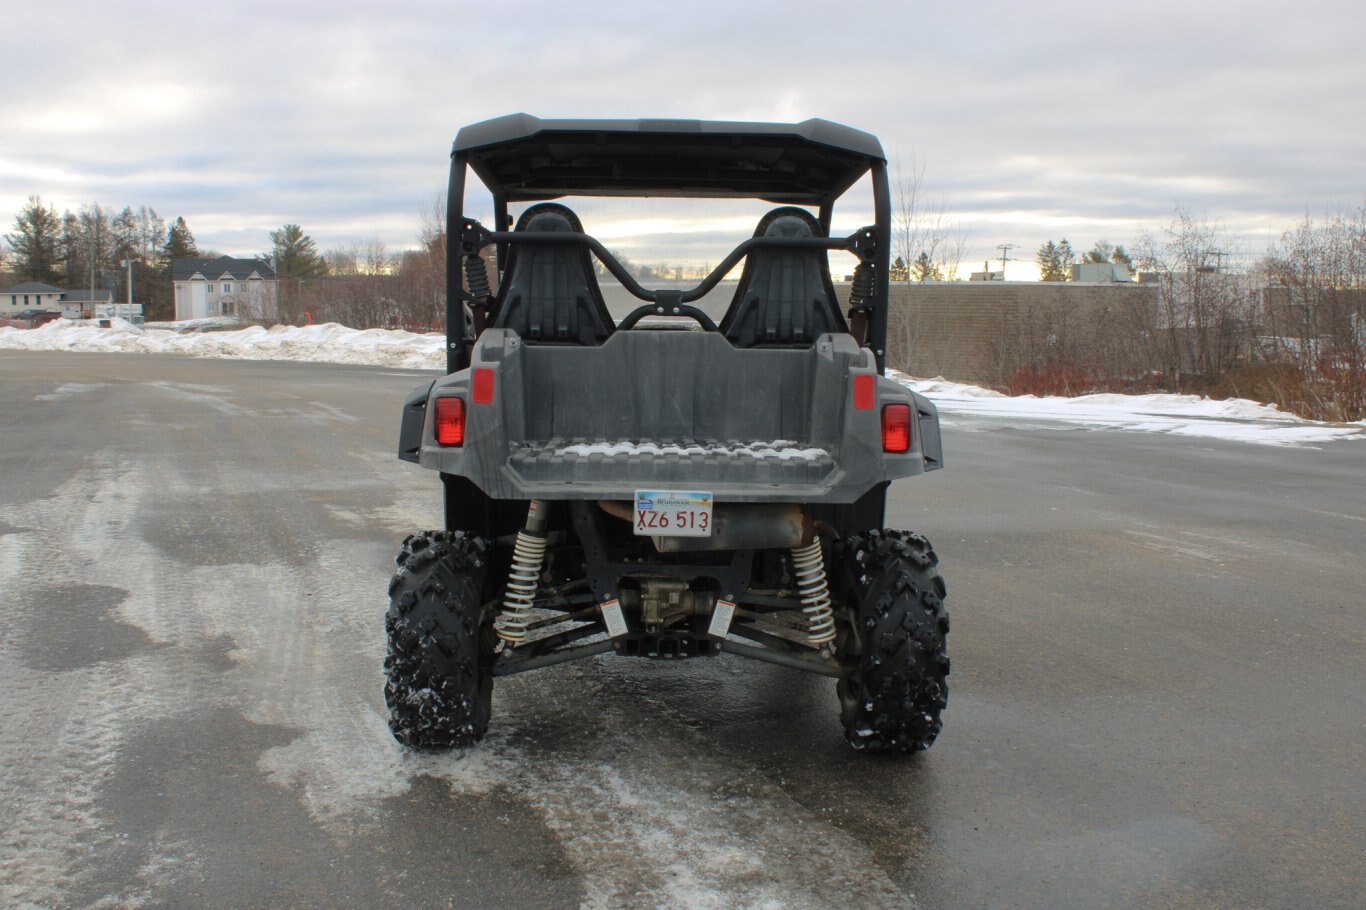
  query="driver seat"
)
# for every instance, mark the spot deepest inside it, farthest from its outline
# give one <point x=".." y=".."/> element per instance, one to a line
<point x="785" y="297"/>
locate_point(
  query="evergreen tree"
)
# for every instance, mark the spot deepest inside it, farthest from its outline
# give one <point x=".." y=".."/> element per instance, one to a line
<point x="898" y="271"/>
<point x="923" y="269"/>
<point x="36" y="243"/>
<point x="1049" y="261"/>
<point x="1104" y="251"/>
<point x="1066" y="259"/>
<point x="1099" y="253"/>
<point x="1119" y="257"/>
<point x="127" y="240"/>
<point x="295" y="255"/>
<point x="1055" y="261"/>
<point x="179" y="243"/>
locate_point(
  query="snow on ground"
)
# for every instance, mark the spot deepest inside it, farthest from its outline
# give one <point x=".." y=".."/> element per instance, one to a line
<point x="781" y="449"/>
<point x="330" y="343"/>
<point x="1180" y="415"/>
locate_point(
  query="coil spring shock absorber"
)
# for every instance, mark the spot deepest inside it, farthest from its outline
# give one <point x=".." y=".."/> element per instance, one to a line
<point x="477" y="281"/>
<point x="862" y="287"/>
<point x="860" y="300"/>
<point x="477" y="277"/>
<point x="809" y="563"/>
<point x="528" y="556"/>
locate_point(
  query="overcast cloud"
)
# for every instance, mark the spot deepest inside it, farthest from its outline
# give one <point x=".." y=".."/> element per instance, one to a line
<point x="1032" y="121"/>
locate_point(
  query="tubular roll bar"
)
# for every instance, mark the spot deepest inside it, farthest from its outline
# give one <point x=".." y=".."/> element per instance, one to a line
<point x="850" y="243"/>
<point x="472" y="238"/>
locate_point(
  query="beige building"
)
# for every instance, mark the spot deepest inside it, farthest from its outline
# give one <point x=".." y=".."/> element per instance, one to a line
<point x="29" y="295"/>
<point x="34" y="295"/>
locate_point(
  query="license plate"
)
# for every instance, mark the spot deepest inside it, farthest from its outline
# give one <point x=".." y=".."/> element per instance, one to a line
<point x="673" y="513"/>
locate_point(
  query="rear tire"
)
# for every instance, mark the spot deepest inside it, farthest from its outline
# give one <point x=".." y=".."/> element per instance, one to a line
<point x="441" y="642"/>
<point x="892" y="700"/>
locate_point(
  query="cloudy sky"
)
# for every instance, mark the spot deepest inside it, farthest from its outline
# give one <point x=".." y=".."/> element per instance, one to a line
<point x="1031" y="121"/>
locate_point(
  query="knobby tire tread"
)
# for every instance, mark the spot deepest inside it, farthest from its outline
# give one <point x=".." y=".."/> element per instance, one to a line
<point x="893" y="701"/>
<point x="438" y="669"/>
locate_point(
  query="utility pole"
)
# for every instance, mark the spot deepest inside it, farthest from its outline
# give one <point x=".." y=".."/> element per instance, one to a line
<point x="1211" y="269"/>
<point x="1004" y="248"/>
<point x="129" y="264"/>
<point x="94" y="252"/>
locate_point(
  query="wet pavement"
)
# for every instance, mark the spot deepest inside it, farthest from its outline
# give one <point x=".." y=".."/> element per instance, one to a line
<point x="1156" y="695"/>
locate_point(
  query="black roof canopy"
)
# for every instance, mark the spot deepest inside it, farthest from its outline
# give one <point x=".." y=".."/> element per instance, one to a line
<point x="524" y="158"/>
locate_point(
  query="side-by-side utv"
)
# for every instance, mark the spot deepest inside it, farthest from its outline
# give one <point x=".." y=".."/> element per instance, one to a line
<point x="666" y="486"/>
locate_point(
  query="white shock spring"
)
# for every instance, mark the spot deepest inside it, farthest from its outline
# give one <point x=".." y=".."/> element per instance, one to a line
<point x="814" y="592"/>
<point x="528" y="556"/>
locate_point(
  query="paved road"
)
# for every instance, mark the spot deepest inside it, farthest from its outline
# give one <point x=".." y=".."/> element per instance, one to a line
<point x="1157" y="694"/>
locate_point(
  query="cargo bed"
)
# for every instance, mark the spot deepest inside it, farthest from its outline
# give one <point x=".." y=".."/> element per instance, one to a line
<point x="655" y="407"/>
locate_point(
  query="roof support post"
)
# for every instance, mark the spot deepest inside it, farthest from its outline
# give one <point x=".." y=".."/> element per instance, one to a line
<point x="457" y="357"/>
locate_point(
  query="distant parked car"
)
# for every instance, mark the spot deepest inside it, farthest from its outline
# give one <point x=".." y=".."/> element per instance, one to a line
<point x="34" y="318"/>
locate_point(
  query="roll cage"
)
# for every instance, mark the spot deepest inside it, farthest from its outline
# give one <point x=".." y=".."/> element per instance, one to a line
<point x="520" y="158"/>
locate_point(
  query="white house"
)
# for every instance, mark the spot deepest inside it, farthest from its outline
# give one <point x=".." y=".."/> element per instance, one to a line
<point x="34" y="295"/>
<point x="245" y="288"/>
<point x="30" y="295"/>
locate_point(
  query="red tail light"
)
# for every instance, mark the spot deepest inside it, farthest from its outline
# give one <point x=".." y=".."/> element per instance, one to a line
<point x="896" y="428"/>
<point x="450" y="421"/>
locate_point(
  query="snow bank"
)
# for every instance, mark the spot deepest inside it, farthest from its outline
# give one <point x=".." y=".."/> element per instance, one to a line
<point x="330" y="343"/>
<point x="1180" y="415"/>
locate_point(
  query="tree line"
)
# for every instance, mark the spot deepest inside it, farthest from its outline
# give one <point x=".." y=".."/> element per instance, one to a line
<point x="1055" y="260"/>
<point x="90" y="246"/>
<point x="362" y="284"/>
<point x="1286" y="327"/>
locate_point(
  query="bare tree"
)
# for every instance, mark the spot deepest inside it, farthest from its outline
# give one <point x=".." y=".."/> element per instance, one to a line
<point x="1206" y="311"/>
<point x="362" y="288"/>
<point x="920" y="225"/>
<point x="420" y="285"/>
<point x="928" y="246"/>
<point x="1314" y="312"/>
<point x="369" y="257"/>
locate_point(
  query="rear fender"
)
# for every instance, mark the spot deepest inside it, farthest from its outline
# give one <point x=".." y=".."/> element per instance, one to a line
<point x="414" y="416"/>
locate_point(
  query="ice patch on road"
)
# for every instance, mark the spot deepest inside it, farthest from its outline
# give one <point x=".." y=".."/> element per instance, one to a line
<point x="64" y="731"/>
<point x="71" y="388"/>
<point x="647" y="816"/>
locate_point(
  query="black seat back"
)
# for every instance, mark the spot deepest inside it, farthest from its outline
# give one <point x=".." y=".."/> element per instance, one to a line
<point x="785" y="297"/>
<point x="549" y="293"/>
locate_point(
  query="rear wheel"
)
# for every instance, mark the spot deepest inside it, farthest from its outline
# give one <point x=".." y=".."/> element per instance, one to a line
<point x="892" y="700"/>
<point x="441" y="642"/>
